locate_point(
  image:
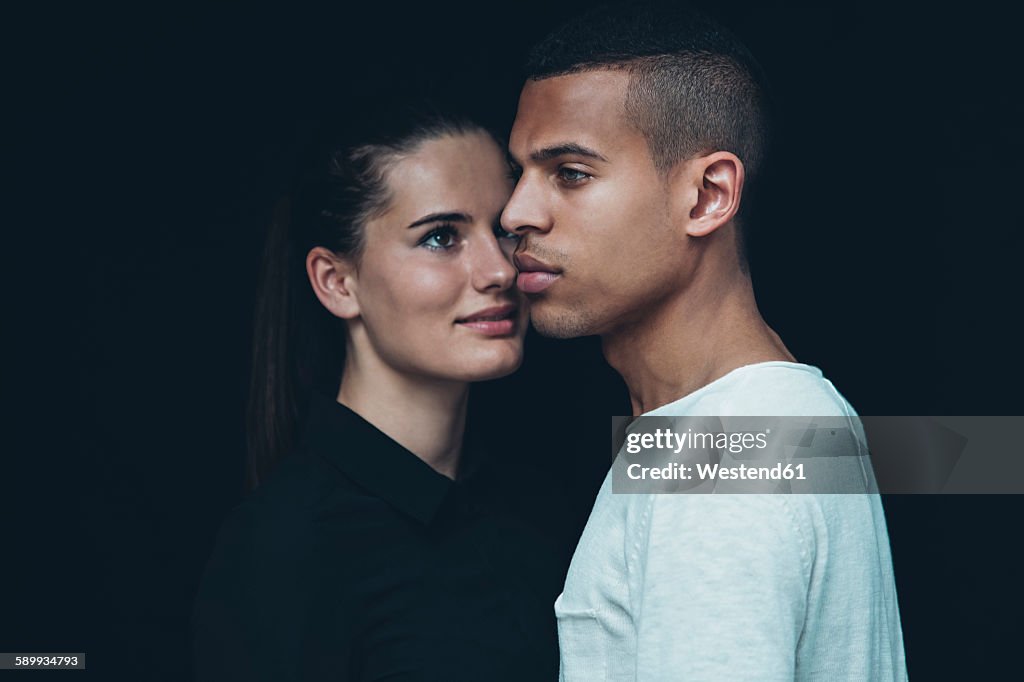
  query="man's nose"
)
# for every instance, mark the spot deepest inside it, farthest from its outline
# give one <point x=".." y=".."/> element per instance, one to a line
<point x="526" y="210"/>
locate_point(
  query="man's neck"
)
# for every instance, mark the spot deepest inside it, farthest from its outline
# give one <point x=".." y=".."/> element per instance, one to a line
<point x="702" y="334"/>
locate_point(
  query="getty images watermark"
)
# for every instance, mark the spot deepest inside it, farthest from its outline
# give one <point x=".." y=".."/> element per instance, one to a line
<point x="847" y="455"/>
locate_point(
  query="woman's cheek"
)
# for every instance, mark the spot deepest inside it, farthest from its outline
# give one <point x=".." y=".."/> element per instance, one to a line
<point x="435" y="286"/>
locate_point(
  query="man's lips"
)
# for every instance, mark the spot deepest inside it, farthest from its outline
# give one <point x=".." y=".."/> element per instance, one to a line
<point x="535" y="282"/>
<point x="495" y="321"/>
<point x="534" y="276"/>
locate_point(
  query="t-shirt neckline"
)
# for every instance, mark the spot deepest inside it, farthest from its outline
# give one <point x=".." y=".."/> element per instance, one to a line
<point x="799" y="366"/>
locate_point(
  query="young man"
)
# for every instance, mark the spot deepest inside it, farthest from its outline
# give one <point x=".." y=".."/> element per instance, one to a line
<point x="637" y="134"/>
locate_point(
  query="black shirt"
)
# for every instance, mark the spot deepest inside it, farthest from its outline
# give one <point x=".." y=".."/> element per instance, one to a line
<point x="356" y="560"/>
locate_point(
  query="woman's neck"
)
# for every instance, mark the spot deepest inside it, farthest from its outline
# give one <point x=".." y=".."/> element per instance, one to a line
<point x="425" y="416"/>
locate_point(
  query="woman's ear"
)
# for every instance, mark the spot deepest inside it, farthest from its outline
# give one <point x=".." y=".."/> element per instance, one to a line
<point x="716" y="186"/>
<point x="333" y="279"/>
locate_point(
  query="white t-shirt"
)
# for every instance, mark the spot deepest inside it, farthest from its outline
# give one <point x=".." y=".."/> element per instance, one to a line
<point x="739" y="586"/>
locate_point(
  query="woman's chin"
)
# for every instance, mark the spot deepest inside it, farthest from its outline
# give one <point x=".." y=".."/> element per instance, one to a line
<point x="501" y="365"/>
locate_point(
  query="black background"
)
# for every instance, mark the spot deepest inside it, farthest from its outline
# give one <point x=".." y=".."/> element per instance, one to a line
<point x="150" y="145"/>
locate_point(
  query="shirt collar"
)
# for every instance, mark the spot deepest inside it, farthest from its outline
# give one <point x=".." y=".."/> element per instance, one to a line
<point x="372" y="459"/>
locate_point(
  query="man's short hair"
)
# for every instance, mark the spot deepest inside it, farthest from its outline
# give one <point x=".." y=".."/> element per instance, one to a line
<point x="694" y="88"/>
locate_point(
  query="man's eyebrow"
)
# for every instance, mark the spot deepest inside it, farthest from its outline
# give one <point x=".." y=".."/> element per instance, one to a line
<point x="564" y="149"/>
<point x="442" y="218"/>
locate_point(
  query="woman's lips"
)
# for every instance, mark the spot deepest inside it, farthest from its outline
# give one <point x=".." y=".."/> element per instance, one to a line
<point x="499" y="321"/>
<point x="535" y="281"/>
<point x="492" y="327"/>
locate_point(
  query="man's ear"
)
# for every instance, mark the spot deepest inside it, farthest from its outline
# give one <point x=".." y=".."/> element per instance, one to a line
<point x="714" y="185"/>
<point x="333" y="279"/>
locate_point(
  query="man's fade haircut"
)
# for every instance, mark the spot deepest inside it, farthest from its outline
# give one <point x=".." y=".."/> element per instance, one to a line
<point x="694" y="87"/>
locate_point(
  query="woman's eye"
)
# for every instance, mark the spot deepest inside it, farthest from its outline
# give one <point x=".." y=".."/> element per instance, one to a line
<point x="440" y="238"/>
<point x="572" y="175"/>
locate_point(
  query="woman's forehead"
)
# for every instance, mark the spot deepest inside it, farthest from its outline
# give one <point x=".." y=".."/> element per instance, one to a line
<point x="463" y="173"/>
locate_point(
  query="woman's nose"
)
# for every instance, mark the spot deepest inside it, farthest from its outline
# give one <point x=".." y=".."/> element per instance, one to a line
<point x="491" y="265"/>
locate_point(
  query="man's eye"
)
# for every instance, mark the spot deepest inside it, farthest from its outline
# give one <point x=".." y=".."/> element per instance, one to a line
<point x="440" y="238"/>
<point x="572" y="175"/>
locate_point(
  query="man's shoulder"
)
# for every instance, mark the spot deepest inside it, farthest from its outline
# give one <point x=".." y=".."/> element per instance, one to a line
<point x="765" y="389"/>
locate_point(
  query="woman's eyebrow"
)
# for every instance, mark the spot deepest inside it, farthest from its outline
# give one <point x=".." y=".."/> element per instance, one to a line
<point x="442" y="217"/>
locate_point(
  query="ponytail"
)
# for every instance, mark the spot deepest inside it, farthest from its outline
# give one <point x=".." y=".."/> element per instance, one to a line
<point x="296" y="348"/>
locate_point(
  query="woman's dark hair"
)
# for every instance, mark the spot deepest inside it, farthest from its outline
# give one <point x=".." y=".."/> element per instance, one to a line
<point x="341" y="184"/>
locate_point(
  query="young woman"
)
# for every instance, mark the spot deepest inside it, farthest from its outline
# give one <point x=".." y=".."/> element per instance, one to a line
<point x="375" y="545"/>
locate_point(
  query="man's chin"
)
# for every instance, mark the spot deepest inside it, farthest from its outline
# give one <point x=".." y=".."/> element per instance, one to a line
<point x="559" y="324"/>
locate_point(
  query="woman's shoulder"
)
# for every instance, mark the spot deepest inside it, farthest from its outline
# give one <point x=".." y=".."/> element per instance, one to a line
<point x="267" y="572"/>
<point x="286" y="509"/>
<point x="270" y="522"/>
<point x="275" y="542"/>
